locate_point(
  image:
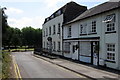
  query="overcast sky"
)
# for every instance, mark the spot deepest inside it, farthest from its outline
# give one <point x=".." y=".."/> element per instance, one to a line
<point x="33" y="12"/>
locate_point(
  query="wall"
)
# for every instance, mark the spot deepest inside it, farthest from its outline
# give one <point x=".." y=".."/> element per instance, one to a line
<point x="119" y="38"/>
<point x="55" y="37"/>
<point x="104" y="38"/>
<point x="109" y="38"/>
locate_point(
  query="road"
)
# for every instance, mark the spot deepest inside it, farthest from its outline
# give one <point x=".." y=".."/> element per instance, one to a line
<point x="32" y="67"/>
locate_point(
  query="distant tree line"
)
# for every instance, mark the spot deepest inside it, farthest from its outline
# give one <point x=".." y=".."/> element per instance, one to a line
<point x="14" y="37"/>
<point x="28" y="36"/>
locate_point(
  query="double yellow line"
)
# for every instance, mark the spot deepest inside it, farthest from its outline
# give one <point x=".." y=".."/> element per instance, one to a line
<point x="16" y="69"/>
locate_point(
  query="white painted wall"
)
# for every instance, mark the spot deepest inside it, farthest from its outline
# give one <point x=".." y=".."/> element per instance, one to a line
<point x="57" y="38"/>
<point x="119" y="38"/>
<point x="74" y="31"/>
<point x="104" y="38"/>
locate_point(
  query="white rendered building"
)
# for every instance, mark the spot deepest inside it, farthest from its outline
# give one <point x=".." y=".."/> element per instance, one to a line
<point x="94" y="36"/>
<point x="52" y="27"/>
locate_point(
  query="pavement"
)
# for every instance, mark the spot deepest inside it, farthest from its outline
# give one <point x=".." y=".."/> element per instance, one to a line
<point x="87" y="71"/>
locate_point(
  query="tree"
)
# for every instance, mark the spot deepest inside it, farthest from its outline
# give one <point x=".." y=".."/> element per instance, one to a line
<point x="7" y="36"/>
<point x="16" y="38"/>
<point x="28" y="36"/>
<point x="4" y="28"/>
<point x="38" y="38"/>
<point x="32" y="37"/>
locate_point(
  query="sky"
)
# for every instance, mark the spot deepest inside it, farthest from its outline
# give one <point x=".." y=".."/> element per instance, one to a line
<point x="24" y="13"/>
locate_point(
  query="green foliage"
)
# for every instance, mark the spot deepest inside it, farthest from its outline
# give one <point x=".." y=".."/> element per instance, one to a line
<point x="6" y="62"/>
<point x="12" y="37"/>
<point x="32" y="37"/>
<point x="28" y="36"/>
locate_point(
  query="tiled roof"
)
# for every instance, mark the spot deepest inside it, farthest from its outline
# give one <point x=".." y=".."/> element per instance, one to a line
<point x="71" y="10"/>
<point x="97" y="10"/>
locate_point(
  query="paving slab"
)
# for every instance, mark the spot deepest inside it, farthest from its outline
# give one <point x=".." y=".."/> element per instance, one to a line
<point x="83" y="69"/>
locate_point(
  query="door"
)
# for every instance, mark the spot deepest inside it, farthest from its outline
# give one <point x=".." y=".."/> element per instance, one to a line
<point x="75" y="50"/>
<point x="95" y="53"/>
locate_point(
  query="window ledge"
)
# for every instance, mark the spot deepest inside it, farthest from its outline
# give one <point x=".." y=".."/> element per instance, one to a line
<point x="110" y="61"/>
<point x="53" y="33"/>
<point x="85" y="55"/>
<point x="66" y="51"/>
<point x="69" y="36"/>
<point x="110" y="32"/>
<point x="92" y="33"/>
<point x="54" y="50"/>
<point x="58" y="33"/>
<point x="82" y="34"/>
<point x="58" y="51"/>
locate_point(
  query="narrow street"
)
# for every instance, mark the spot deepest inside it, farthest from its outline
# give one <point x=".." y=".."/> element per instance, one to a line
<point x="32" y="67"/>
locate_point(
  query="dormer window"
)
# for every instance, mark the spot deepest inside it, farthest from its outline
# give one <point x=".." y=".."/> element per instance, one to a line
<point x="52" y="17"/>
<point x="58" y="13"/>
<point x="47" y="19"/>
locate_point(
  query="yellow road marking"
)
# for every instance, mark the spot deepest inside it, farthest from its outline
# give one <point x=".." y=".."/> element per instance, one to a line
<point x="17" y="71"/>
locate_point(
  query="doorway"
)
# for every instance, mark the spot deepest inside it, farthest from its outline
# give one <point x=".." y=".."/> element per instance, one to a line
<point x="95" y="53"/>
<point x="74" y="50"/>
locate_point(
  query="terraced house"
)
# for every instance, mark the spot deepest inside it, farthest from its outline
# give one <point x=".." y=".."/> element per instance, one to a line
<point x="53" y="27"/>
<point x="94" y="36"/>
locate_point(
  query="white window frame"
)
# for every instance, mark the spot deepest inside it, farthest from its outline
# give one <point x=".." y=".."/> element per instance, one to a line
<point x="110" y="27"/>
<point x="83" y="29"/>
<point x="58" y="28"/>
<point x="46" y="32"/>
<point x="50" y="30"/>
<point x="93" y="27"/>
<point x="54" y="29"/>
<point x="110" y="23"/>
<point x="110" y="52"/>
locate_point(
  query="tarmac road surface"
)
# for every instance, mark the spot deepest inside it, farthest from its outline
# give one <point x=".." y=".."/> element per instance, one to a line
<point x="32" y="67"/>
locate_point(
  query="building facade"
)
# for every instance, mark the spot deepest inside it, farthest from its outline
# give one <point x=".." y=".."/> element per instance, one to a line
<point x="93" y="37"/>
<point x="53" y="27"/>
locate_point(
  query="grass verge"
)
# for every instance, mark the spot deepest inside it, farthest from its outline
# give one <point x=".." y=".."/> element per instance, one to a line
<point x="19" y="50"/>
<point x="6" y="65"/>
